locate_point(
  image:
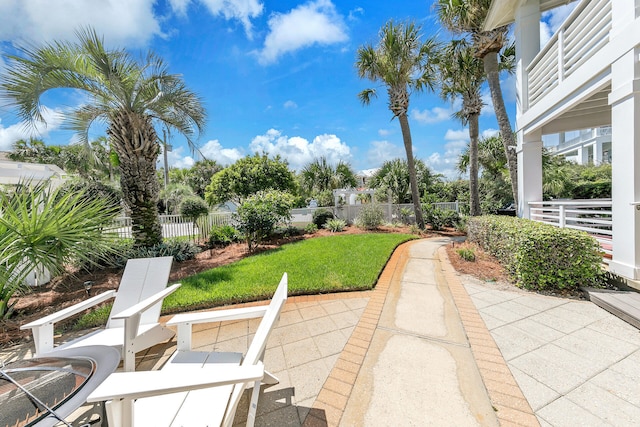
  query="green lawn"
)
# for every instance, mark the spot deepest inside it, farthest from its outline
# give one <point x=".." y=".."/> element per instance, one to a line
<point x="318" y="265"/>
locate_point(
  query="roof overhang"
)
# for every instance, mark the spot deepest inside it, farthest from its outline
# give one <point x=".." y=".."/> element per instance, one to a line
<point x="503" y="12"/>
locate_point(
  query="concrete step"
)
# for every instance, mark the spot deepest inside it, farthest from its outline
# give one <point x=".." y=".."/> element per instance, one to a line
<point x="623" y="304"/>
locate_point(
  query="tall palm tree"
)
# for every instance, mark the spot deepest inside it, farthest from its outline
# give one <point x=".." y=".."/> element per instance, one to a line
<point x="467" y="16"/>
<point x="462" y="74"/>
<point x="394" y="177"/>
<point x="129" y="96"/>
<point x="403" y="63"/>
<point x="319" y="175"/>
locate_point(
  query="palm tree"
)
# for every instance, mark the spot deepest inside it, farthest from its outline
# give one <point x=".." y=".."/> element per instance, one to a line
<point x="462" y="74"/>
<point x="467" y="16"/>
<point x="319" y="176"/>
<point x="394" y="177"/>
<point x="402" y="62"/>
<point x="129" y="96"/>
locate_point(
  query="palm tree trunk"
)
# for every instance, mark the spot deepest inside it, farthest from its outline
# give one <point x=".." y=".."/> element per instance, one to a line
<point x="413" y="180"/>
<point x="493" y="77"/>
<point x="474" y="197"/>
<point x="134" y="140"/>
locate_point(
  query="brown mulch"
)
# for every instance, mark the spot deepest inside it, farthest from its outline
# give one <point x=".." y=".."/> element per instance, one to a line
<point x="485" y="267"/>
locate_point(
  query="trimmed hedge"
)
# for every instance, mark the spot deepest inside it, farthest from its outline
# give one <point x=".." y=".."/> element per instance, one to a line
<point x="540" y="256"/>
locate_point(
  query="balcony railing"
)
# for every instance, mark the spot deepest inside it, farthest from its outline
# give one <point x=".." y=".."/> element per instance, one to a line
<point x="592" y="216"/>
<point x="585" y="32"/>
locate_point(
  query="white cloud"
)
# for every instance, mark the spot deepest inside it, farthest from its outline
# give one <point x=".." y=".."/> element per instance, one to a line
<point x="384" y="132"/>
<point x="290" y="104"/>
<point x="242" y="10"/>
<point x="12" y="133"/>
<point x="488" y="133"/>
<point x="545" y="33"/>
<point x="298" y="151"/>
<point x="445" y="163"/>
<point x="382" y="151"/>
<point x="213" y="150"/>
<point x="552" y="19"/>
<point x="122" y="22"/>
<point x="434" y="115"/>
<point x="354" y="14"/>
<point x="180" y="6"/>
<point x="316" y="22"/>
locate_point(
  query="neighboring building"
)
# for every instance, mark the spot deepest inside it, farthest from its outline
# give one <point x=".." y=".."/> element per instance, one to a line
<point x="12" y="173"/>
<point x="589" y="147"/>
<point x="586" y="76"/>
<point x="364" y="176"/>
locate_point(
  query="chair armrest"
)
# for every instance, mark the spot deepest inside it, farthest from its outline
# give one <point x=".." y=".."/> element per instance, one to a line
<point x="42" y="329"/>
<point x="219" y="315"/>
<point x="70" y="311"/>
<point x="185" y="321"/>
<point x="146" y="303"/>
<point x="136" y="385"/>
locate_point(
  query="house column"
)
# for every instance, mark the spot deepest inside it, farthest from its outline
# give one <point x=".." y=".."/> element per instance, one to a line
<point x="625" y="140"/>
<point x="529" y="171"/>
<point x="597" y="151"/>
<point x="529" y="149"/>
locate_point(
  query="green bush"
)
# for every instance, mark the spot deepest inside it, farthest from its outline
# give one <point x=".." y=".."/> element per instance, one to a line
<point x="259" y="214"/>
<point x="440" y="218"/>
<point x="467" y="254"/>
<point x="321" y="216"/>
<point x="335" y="225"/>
<point x="371" y="216"/>
<point x="539" y="256"/>
<point x="310" y="228"/>
<point x="180" y="250"/>
<point x="193" y="207"/>
<point x="223" y="235"/>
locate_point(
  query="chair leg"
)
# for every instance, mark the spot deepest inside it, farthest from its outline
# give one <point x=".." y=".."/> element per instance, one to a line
<point x="253" y="404"/>
<point x="270" y="379"/>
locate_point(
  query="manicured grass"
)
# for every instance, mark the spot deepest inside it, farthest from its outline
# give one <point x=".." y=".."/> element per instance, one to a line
<point x="320" y="265"/>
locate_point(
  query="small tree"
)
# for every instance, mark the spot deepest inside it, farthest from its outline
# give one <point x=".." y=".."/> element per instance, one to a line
<point x="193" y="207"/>
<point x="259" y="214"/>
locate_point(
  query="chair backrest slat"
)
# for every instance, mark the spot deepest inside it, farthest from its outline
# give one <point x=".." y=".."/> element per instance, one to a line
<point x="142" y="278"/>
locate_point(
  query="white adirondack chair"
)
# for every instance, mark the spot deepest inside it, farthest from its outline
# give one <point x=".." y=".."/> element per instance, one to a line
<point x="133" y="323"/>
<point x="194" y="388"/>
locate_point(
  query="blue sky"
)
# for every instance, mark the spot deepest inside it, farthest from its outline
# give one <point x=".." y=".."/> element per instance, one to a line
<point x="275" y="76"/>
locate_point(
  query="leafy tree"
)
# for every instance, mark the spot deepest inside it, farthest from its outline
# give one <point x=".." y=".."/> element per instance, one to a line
<point x="91" y="161"/>
<point x="128" y="95"/>
<point x="248" y="176"/>
<point x="44" y="230"/>
<point x="462" y="75"/>
<point x="393" y="176"/>
<point x="258" y="215"/>
<point x="319" y="177"/>
<point x="403" y="63"/>
<point x="468" y="16"/>
<point x="200" y="174"/>
<point x="193" y="207"/>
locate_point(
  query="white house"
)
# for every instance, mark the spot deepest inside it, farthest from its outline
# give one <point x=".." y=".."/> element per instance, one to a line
<point x="12" y="173"/>
<point x="586" y="76"/>
<point x="586" y="146"/>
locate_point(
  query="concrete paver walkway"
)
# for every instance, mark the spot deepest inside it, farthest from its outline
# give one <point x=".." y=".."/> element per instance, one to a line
<point x="430" y="347"/>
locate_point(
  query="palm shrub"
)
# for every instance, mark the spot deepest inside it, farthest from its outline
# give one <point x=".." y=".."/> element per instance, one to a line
<point x="371" y="216"/>
<point x="259" y="214"/>
<point x="43" y="229"/>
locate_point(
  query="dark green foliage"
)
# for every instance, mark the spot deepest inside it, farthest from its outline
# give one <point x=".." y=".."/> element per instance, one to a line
<point x="440" y="218"/>
<point x="93" y="190"/>
<point x="540" y="256"/>
<point x="180" y="250"/>
<point x="259" y="214"/>
<point x="193" y="207"/>
<point x="593" y="190"/>
<point x="223" y="235"/>
<point x="321" y="216"/>
<point x="370" y="216"/>
<point x="335" y="225"/>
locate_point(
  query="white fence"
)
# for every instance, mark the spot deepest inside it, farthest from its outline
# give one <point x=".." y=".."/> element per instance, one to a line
<point x="177" y="225"/>
<point x="592" y="216"/>
<point x="392" y="212"/>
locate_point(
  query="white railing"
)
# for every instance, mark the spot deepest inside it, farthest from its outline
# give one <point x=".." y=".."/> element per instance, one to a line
<point x="176" y="225"/>
<point x="585" y="32"/>
<point x="592" y="216"/>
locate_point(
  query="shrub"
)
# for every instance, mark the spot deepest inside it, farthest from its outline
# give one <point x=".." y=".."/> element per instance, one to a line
<point x="440" y="218"/>
<point x="335" y="225"/>
<point x="370" y="216"/>
<point x="321" y="216"/>
<point x="180" y="250"/>
<point x="539" y="256"/>
<point x="466" y="254"/>
<point x="310" y="228"/>
<point x="259" y="214"/>
<point x="193" y="207"/>
<point x="223" y="235"/>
